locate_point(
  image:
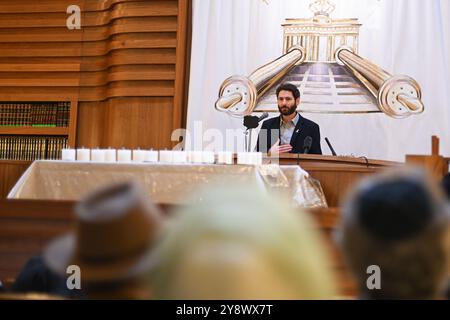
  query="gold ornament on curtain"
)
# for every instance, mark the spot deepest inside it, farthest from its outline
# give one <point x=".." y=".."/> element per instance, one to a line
<point x="322" y="8"/>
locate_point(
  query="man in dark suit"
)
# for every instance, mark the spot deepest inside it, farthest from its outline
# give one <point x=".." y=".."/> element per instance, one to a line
<point x="289" y="131"/>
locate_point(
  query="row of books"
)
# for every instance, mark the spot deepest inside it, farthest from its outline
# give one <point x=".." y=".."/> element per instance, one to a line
<point x="34" y="114"/>
<point x="31" y="147"/>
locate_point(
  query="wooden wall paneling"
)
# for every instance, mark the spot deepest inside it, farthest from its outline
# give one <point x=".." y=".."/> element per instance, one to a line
<point x="10" y="172"/>
<point x="141" y="63"/>
<point x="187" y="64"/>
<point x="46" y="6"/>
<point x="126" y="67"/>
<point x="130" y="122"/>
<point x="93" y="18"/>
<point x="73" y="122"/>
<point x="91" y="124"/>
<point x="182" y="62"/>
<point x="152" y="130"/>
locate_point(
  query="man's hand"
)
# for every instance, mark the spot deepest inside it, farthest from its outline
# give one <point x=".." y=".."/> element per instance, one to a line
<point x="276" y="148"/>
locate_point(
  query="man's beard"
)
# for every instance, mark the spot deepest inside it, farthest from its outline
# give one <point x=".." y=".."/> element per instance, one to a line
<point x="289" y="111"/>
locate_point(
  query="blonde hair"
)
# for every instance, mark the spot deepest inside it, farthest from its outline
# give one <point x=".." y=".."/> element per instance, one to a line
<point x="245" y="217"/>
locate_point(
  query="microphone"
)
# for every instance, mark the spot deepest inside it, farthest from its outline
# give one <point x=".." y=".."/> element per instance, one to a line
<point x="329" y="146"/>
<point x="252" y="122"/>
<point x="307" y="144"/>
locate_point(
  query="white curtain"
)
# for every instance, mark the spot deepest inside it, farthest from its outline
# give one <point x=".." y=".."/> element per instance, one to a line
<point x="409" y="37"/>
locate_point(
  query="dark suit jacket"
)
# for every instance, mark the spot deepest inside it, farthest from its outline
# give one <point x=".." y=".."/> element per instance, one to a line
<point x="270" y="132"/>
<point x="35" y="276"/>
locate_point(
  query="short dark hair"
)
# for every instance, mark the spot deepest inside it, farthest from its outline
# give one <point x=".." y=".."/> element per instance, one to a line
<point x="289" y="87"/>
<point x="397" y="221"/>
<point x="395" y="209"/>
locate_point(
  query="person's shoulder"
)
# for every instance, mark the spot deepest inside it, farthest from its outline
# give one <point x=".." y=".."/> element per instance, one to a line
<point x="270" y="122"/>
<point x="308" y="122"/>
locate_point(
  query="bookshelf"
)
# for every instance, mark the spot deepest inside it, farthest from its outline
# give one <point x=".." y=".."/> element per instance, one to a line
<point x="32" y="130"/>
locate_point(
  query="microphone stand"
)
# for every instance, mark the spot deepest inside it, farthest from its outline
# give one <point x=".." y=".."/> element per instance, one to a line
<point x="248" y="139"/>
<point x="251" y="122"/>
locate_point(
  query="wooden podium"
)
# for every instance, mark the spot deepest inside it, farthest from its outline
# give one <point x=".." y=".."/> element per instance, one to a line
<point x="337" y="175"/>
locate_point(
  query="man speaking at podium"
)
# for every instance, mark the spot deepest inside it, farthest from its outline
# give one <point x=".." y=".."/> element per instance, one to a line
<point x="290" y="132"/>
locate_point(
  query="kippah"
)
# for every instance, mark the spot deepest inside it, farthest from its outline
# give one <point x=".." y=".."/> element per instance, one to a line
<point x="395" y="210"/>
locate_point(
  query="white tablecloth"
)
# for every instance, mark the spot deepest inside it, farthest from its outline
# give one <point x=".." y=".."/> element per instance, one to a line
<point x="165" y="183"/>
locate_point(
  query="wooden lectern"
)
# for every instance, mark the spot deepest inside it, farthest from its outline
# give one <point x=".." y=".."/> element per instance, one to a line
<point x="337" y="175"/>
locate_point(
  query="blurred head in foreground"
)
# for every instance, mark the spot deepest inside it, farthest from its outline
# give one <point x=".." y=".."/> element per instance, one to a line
<point x="239" y="242"/>
<point x="446" y="185"/>
<point x="112" y="244"/>
<point x="399" y="222"/>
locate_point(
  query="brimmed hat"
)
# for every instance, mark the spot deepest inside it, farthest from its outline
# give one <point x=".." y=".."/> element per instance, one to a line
<point x="115" y="233"/>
